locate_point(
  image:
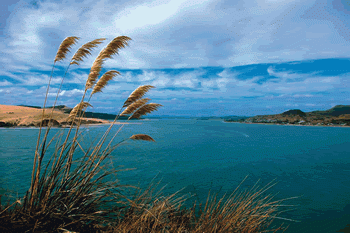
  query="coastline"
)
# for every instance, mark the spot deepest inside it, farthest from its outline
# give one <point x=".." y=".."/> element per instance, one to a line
<point x="286" y="124"/>
<point x="67" y="127"/>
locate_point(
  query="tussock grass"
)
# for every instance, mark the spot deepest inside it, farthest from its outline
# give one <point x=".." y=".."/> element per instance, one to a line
<point x="137" y="94"/>
<point x="68" y="195"/>
<point x="102" y="82"/>
<point x="132" y="107"/>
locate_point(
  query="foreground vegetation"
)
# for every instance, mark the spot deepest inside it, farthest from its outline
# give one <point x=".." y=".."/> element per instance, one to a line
<point x="78" y="195"/>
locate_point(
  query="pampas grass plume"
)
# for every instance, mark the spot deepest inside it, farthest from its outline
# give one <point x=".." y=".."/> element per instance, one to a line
<point x="137" y="94"/>
<point x="114" y="46"/>
<point x="111" y="49"/>
<point x="109" y="75"/>
<point x="132" y="107"/>
<point x="79" y="107"/>
<point x="142" y="137"/>
<point x="148" y="108"/>
<point x="85" y="50"/>
<point x="64" y="47"/>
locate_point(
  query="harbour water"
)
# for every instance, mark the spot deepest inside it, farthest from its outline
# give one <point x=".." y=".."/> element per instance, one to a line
<point x="312" y="163"/>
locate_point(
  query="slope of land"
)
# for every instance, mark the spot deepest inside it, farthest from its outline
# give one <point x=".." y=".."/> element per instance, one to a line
<point x="31" y="116"/>
<point x="336" y="116"/>
<point x="65" y="109"/>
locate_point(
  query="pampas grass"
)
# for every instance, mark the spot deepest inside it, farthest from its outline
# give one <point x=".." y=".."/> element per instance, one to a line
<point x="137" y="94"/>
<point x="143" y="137"/>
<point x="78" y="108"/>
<point x="85" y="50"/>
<point x="114" y="46"/>
<point x="132" y="107"/>
<point x="111" y="49"/>
<point x="80" y="198"/>
<point x="102" y="82"/>
<point x="65" y="48"/>
<point x="148" y="108"/>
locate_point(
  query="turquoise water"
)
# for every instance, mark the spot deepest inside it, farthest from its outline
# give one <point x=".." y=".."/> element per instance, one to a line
<point x="310" y="162"/>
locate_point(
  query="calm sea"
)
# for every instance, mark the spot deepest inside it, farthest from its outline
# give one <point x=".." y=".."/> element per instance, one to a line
<point x="201" y="155"/>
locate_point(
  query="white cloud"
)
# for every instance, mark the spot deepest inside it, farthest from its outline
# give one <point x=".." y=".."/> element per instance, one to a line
<point x="67" y="93"/>
<point x="149" y="76"/>
<point x="5" y="83"/>
<point x="161" y="82"/>
<point x="292" y="105"/>
<point x="302" y="95"/>
<point x="221" y="82"/>
<point x="208" y="83"/>
<point x="174" y="33"/>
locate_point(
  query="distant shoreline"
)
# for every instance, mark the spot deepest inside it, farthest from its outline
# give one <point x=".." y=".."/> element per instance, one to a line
<point x="256" y="123"/>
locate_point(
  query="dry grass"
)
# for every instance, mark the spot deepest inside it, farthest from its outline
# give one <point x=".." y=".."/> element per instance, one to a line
<point x="78" y="195"/>
<point x="111" y="49"/>
<point x="84" y="51"/>
<point x="242" y="211"/>
<point x="147" y="108"/>
<point x="142" y="137"/>
<point x="132" y="107"/>
<point x="102" y="82"/>
<point x="78" y="108"/>
<point x="137" y="94"/>
<point x="65" y="48"/>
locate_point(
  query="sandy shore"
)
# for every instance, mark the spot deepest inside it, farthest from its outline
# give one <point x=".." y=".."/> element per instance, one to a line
<point x="24" y="117"/>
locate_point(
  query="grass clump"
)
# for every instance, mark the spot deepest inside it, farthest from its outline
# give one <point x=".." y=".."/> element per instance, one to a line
<point x="69" y="195"/>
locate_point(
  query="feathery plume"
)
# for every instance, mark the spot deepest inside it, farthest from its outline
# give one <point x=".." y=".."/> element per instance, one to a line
<point x="132" y="107"/>
<point x="64" y="47"/>
<point x="78" y="108"/>
<point x="85" y="50"/>
<point x="111" y="49"/>
<point x="109" y="75"/>
<point x="142" y="137"/>
<point x="94" y="72"/>
<point x="148" y="108"/>
<point x="138" y="93"/>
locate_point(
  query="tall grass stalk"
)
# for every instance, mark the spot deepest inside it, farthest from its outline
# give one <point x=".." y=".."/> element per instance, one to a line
<point x="61" y="54"/>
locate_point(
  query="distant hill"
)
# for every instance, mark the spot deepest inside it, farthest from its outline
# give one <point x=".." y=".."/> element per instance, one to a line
<point x="29" y="106"/>
<point x="65" y="109"/>
<point x="59" y="107"/>
<point x="338" y="115"/>
<point x="234" y="118"/>
<point x="104" y="116"/>
<point x="294" y="112"/>
<point x="24" y="116"/>
<point x="335" y="111"/>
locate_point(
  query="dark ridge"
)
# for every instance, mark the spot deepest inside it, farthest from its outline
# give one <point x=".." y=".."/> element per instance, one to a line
<point x="294" y="112"/>
<point x="104" y="116"/>
<point x="335" y="111"/>
<point x="59" y="107"/>
<point x="29" y="106"/>
<point x="65" y="109"/>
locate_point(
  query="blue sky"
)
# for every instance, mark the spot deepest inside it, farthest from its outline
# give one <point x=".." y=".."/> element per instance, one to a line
<point x="206" y="58"/>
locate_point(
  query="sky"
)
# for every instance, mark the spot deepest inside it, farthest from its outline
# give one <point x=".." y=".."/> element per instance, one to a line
<point x="205" y="57"/>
